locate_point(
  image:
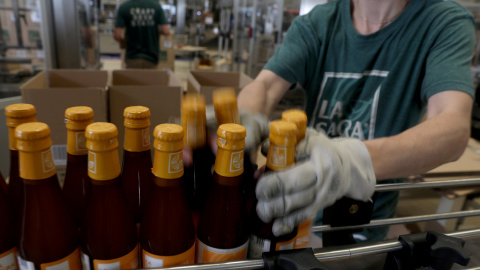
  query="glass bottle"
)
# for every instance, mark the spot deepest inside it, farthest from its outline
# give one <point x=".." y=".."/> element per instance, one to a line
<point x="222" y="231"/>
<point x="3" y="184"/>
<point x="281" y="155"/>
<point x="8" y="251"/>
<point x="137" y="159"/>
<point x="108" y="234"/>
<point x="76" y="182"/>
<point x="198" y="177"/>
<point x="167" y="233"/>
<point x="299" y="118"/>
<point x="48" y="235"/>
<point x="17" y="114"/>
<point x="226" y="111"/>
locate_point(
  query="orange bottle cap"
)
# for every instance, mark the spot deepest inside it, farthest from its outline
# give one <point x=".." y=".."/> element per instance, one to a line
<point x="283" y="133"/>
<point x="101" y="137"/>
<point x="20" y="113"/>
<point x="194" y="119"/>
<point x="33" y="137"/>
<point x="299" y="118"/>
<point x="78" y="118"/>
<point x="136" y="117"/>
<point x="168" y="137"/>
<point x="225" y="105"/>
<point x="231" y="137"/>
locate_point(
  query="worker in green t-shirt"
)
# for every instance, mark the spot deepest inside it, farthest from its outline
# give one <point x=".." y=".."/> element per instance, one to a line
<point x="138" y="25"/>
<point x="371" y="70"/>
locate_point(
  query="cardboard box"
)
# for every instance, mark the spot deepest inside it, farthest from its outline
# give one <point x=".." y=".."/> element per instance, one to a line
<point x="203" y="64"/>
<point x="206" y="82"/>
<point x="158" y="90"/>
<point x="31" y="30"/>
<point x="63" y="89"/>
<point x="166" y="55"/>
<point x="8" y="31"/>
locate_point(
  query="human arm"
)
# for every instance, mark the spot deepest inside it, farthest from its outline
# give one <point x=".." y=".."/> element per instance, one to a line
<point x="164" y="29"/>
<point x="119" y="34"/>
<point x="441" y="138"/>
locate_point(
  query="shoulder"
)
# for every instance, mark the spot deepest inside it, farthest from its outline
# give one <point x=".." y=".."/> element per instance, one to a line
<point x="446" y="10"/>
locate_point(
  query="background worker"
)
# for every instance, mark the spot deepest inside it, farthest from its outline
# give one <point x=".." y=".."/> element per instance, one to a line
<point x="138" y="25"/>
<point x="371" y="69"/>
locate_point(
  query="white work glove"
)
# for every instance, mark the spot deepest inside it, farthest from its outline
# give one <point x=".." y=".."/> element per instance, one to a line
<point x="257" y="127"/>
<point x="331" y="169"/>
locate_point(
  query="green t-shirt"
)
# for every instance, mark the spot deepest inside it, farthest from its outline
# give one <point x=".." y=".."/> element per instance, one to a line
<point x="141" y="18"/>
<point x="377" y="85"/>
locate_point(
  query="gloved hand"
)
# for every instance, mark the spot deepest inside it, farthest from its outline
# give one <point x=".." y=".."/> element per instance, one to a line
<point x="257" y="127"/>
<point x="331" y="169"/>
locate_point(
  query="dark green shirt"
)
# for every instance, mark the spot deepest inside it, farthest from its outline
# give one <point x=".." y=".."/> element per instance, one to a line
<point x="141" y="18"/>
<point x="370" y="86"/>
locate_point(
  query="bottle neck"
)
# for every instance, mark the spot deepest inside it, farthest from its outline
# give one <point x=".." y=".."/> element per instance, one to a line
<point x="76" y="142"/>
<point x="168" y="165"/>
<point x="229" y="163"/>
<point x="280" y="157"/>
<point x="103" y="165"/>
<point x="12" y="141"/>
<point x="36" y="165"/>
<point x="137" y="139"/>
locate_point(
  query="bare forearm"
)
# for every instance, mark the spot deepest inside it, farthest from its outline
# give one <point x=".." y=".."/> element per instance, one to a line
<point x="261" y="95"/>
<point x="440" y="139"/>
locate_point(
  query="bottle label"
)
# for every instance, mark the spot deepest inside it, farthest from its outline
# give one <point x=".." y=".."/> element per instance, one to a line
<point x="103" y="165"/>
<point x="24" y="264"/>
<point x="207" y="254"/>
<point x="76" y="143"/>
<point x="259" y="245"/>
<point x="8" y="260"/>
<point x="71" y="262"/>
<point x="280" y="157"/>
<point x="229" y="163"/>
<point x="302" y="240"/>
<point x="137" y="140"/>
<point x="168" y="165"/>
<point x="129" y="261"/>
<point x="37" y="165"/>
<point x="153" y="261"/>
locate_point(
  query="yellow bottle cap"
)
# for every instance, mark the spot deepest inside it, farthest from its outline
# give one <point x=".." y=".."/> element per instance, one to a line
<point x="299" y="118"/>
<point x="20" y="113"/>
<point x="101" y="137"/>
<point x="283" y="133"/>
<point x="136" y="117"/>
<point x="168" y="137"/>
<point x="35" y="156"/>
<point x="225" y="105"/>
<point x="194" y="119"/>
<point x="32" y="137"/>
<point x="231" y="137"/>
<point x="78" y="118"/>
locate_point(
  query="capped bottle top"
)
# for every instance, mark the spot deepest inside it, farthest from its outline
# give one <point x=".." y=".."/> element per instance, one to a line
<point x="299" y="118"/>
<point x="194" y="119"/>
<point x="20" y="110"/>
<point x="136" y="112"/>
<point x="101" y="131"/>
<point x="168" y="132"/>
<point x="79" y="113"/>
<point x="283" y="133"/>
<point x="32" y="131"/>
<point x="231" y="137"/>
<point x="231" y="132"/>
<point x="225" y="105"/>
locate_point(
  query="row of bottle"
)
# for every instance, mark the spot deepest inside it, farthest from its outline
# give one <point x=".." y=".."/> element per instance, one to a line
<point x="230" y="231"/>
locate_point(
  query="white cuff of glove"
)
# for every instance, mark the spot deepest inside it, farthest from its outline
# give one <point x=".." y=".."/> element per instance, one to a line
<point x="332" y="169"/>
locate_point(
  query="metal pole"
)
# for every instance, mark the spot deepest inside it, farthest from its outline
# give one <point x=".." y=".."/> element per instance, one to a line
<point x="382" y="247"/>
<point x="402" y="220"/>
<point x="429" y="184"/>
